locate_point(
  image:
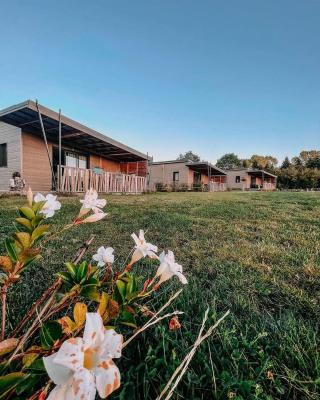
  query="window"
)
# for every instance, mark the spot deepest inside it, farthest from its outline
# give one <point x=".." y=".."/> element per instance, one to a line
<point x="3" y="155"/>
<point x="176" y="177"/>
<point x="76" y="160"/>
<point x="238" y="179"/>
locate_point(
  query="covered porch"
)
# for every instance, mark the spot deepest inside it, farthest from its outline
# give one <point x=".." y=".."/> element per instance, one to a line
<point x="76" y="180"/>
<point x="212" y="177"/>
<point x="262" y="180"/>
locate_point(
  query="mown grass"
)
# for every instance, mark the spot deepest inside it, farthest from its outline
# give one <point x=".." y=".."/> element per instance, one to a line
<point x="257" y="254"/>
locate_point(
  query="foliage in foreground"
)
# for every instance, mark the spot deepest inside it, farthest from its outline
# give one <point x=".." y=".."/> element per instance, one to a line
<point x="255" y="253"/>
<point x="88" y="296"/>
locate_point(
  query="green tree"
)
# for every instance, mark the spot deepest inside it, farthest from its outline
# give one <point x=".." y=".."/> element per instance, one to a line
<point x="229" y="161"/>
<point x="263" y="162"/>
<point x="189" y="156"/>
<point x="286" y="163"/>
<point x="308" y="156"/>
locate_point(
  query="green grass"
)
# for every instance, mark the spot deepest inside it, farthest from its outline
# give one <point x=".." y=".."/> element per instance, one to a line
<point x="257" y="254"/>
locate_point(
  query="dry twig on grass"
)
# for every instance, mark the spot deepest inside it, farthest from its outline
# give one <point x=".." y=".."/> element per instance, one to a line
<point x="181" y="369"/>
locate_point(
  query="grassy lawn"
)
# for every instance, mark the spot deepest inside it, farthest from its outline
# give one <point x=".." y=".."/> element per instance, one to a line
<point x="257" y="254"/>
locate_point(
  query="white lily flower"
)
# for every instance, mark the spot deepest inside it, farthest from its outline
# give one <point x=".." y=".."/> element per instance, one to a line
<point x="142" y="248"/>
<point x="168" y="268"/>
<point x="91" y="202"/>
<point x="83" y="366"/>
<point x="50" y="206"/>
<point x="104" y="255"/>
<point x="93" y="218"/>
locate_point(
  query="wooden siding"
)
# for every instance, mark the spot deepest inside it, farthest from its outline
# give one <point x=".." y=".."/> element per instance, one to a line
<point x="105" y="164"/>
<point x="163" y="173"/>
<point x="35" y="164"/>
<point x="244" y="183"/>
<point x="12" y="136"/>
<point x="135" y="167"/>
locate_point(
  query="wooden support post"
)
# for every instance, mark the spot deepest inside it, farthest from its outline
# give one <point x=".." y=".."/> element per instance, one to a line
<point x="59" y="168"/>
<point x="54" y="185"/>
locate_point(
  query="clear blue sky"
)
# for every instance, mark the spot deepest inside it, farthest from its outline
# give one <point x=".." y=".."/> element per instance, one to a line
<point x="168" y="76"/>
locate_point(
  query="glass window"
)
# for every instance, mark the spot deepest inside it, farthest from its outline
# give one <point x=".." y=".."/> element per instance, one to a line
<point x="175" y="176"/>
<point x="237" y="179"/>
<point x="3" y="155"/>
<point x="76" y="160"/>
<point x="83" y="162"/>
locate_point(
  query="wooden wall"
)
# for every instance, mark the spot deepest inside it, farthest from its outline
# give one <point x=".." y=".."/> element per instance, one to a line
<point x="35" y="164"/>
<point x="101" y="162"/>
<point x="135" y="167"/>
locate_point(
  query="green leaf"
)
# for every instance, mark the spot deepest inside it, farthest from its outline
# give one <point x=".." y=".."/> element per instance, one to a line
<point x="30" y="260"/>
<point x="65" y="277"/>
<point x="9" y="382"/>
<point x="10" y="249"/>
<point x="28" y="384"/>
<point x="121" y="286"/>
<point x="24" y="222"/>
<point x="91" y="293"/>
<point x="50" y="332"/>
<point x="27" y="212"/>
<point x="37" y="220"/>
<point x="132" y="285"/>
<point x="38" y="206"/>
<point x="72" y="269"/>
<point x="37" y="367"/>
<point x="82" y="271"/>
<point x="90" y="282"/>
<point x="39" y="231"/>
<point x="126" y="318"/>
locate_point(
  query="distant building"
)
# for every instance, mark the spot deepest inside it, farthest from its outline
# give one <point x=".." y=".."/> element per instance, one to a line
<point x="248" y="178"/>
<point x="185" y="175"/>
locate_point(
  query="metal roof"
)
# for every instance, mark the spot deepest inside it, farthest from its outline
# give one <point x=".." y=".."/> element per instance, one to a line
<point x="201" y="166"/>
<point x="253" y="171"/>
<point x="73" y="134"/>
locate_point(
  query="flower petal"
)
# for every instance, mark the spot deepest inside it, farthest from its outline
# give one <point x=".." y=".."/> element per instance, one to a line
<point x="107" y="378"/>
<point x="71" y="354"/>
<point x="182" y="278"/>
<point x="59" y="393"/>
<point x="82" y="386"/>
<point x="39" y="197"/>
<point x="136" y="256"/>
<point x="94" y="218"/>
<point x="111" y="345"/>
<point x="136" y="239"/>
<point x="59" y="374"/>
<point x="151" y="254"/>
<point x="94" y="330"/>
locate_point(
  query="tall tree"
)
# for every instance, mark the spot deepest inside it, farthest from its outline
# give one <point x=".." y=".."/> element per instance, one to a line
<point x="308" y="156"/>
<point x="189" y="156"/>
<point x="229" y="161"/>
<point x="286" y="163"/>
<point x="263" y="162"/>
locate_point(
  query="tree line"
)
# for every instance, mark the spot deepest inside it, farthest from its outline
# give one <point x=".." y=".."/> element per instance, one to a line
<point x="301" y="172"/>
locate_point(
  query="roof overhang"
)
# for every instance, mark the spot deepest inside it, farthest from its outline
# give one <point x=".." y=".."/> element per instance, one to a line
<point x="260" y="173"/>
<point x="205" y="168"/>
<point x="73" y="134"/>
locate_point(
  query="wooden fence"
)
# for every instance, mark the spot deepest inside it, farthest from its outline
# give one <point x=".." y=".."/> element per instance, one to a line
<point x="217" y="187"/>
<point x="80" y="180"/>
